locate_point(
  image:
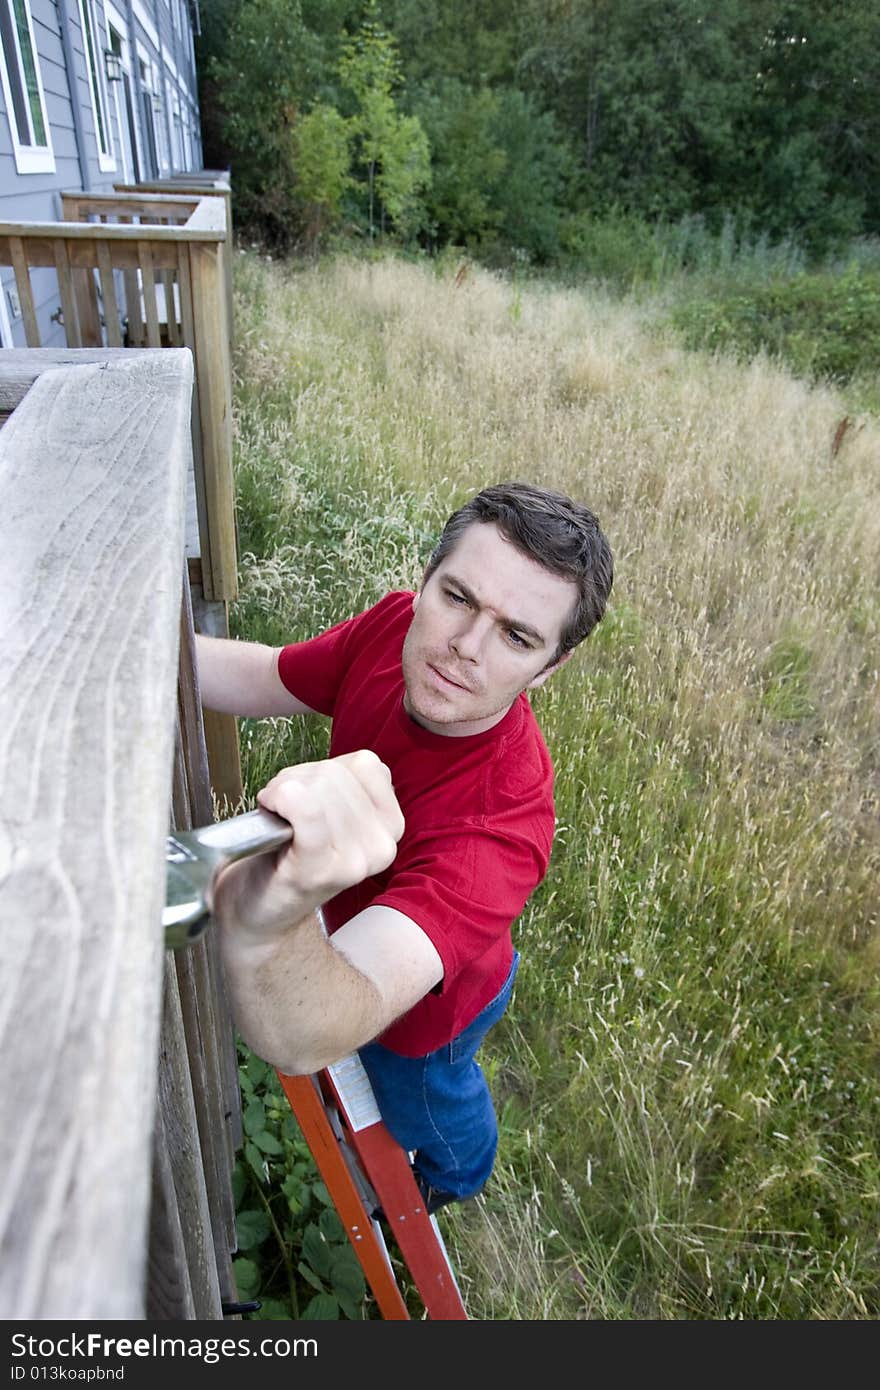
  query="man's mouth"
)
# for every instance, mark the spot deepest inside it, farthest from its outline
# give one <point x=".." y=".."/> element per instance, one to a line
<point x="447" y="680"/>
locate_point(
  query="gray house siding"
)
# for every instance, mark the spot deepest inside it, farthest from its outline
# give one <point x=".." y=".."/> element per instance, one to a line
<point x="155" y="37"/>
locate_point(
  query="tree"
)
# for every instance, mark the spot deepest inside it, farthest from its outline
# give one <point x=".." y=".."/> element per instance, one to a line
<point x="266" y="62"/>
<point x="392" y="147"/>
<point x="322" y="156"/>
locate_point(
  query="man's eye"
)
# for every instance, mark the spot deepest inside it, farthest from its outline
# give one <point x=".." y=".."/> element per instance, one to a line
<point x="456" y="598"/>
<point x="516" y="639"/>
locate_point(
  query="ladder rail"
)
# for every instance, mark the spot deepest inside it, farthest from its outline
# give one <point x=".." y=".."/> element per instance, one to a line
<point x="357" y="1155"/>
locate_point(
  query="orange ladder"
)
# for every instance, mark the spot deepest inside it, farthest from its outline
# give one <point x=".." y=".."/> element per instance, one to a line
<point x="364" y="1168"/>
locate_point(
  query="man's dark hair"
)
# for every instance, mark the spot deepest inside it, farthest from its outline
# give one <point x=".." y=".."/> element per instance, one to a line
<point x="562" y="535"/>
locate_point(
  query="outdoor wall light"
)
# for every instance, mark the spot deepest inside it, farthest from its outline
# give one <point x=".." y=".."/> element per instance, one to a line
<point x="112" y="65"/>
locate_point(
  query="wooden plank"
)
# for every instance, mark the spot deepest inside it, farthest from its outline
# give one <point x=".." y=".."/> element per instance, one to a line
<point x="195" y="984"/>
<point x="213" y="618"/>
<point x="82" y="251"/>
<point x="191" y="790"/>
<point x="187" y="323"/>
<point x="215" y="1017"/>
<point x="208" y="216"/>
<point x="134" y="316"/>
<point x="85" y="293"/>
<point x="228" y="1053"/>
<point x="201" y="806"/>
<point x="65" y="289"/>
<point x="171" y="309"/>
<point x="21" y="367"/>
<point x="169" y="1290"/>
<point x="70" y="207"/>
<point x="177" y="1105"/>
<point x="221" y="737"/>
<point x="148" y="286"/>
<point x="221" y="730"/>
<point x="108" y="295"/>
<point x="25" y="292"/>
<point x="209" y="228"/>
<point x="92" y="470"/>
<point x="197" y="1009"/>
<point x="172" y="206"/>
<point x="214" y="377"/>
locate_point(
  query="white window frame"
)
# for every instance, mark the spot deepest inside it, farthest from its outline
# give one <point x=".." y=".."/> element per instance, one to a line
<point x="115" y="19"/>
<point x="100" y="98"/>
<point x="32" y="158"/>
<point x="118" y="94"/>
<point x="149" y="83"/>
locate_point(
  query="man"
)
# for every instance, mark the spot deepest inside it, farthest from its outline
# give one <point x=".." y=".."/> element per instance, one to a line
<point x="423" y="834"/>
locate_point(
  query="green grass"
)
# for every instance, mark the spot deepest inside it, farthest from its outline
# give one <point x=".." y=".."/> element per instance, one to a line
<point x="687" y="1078"/>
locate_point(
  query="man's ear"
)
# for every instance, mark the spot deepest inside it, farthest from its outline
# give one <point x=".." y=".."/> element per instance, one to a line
<point x="544" y="675"/>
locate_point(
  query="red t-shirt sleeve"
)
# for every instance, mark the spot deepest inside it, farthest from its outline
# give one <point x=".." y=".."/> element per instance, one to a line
<point x="313" y="670"/>
<point x="480" y="877"/>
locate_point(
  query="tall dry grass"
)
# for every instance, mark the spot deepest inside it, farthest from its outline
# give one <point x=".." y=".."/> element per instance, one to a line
<point x="687" y="1080"/>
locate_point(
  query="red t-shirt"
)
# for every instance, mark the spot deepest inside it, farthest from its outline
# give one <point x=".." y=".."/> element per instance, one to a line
<point x="479" y="815"/>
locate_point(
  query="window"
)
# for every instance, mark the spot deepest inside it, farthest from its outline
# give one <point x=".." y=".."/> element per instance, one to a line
<point x="23" y="90"/>
<point x="125" y="121"/>
<point x="97" y="84"/>
<point x="149" y="126"/>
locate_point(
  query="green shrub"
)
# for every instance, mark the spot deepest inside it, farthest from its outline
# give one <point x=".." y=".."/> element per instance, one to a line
<point x="293" y="1253"/>
<point x="822" y="325"/>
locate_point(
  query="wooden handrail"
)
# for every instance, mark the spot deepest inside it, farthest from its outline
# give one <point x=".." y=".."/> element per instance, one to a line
<point x="131" y="281"/>
<point x="209" y="228"/>
<point x="75" y="206"/>
<point x="170" y="284"/>
<point x="93" y="464"/>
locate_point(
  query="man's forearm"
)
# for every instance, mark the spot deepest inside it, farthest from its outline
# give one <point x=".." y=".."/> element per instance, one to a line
<point x="297" y="1002"/>
<point x="300" y="1002"/>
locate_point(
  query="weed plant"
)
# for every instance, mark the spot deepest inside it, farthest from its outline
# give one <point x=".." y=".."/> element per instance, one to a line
<point x="687" y="1077"/>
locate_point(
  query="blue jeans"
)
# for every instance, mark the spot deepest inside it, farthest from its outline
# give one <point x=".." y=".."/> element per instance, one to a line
<point x="439" y="1105"/>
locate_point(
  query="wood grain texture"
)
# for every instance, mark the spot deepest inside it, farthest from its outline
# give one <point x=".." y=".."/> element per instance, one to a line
<point x="178" y="1111"/>
<point x="25" y="292"/>
<point x="207" y="224"/>
<point x="210" y="1037"/>
<point x="92" y="473"/>
<point x="169" y="1290"/>
<point x="214" y="381"/>
<point x="61" y="261"/>
<point x="108" y="294"/>
<point x="20" y="368"/>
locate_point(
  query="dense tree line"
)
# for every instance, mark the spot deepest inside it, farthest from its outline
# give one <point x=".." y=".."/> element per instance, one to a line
<point x="502" y="125"/>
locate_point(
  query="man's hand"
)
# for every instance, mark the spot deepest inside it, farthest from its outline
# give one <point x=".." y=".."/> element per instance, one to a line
<point x="346" y="826"/>
<point x="297" y="1000"/>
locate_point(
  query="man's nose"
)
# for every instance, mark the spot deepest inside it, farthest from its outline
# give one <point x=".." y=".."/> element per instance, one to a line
<point x="469" y="639"/>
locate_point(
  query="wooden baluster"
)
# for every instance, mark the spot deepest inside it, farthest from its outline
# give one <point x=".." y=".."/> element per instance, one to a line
<point x="168" y="282"/>
<point x="148" y="280"/>
<point x="108" y="294"/>
<point x="68" y="298"/>
<point x="85" y="292"/>
<point x="131" y="282"/>
<point x="25" y="292"/>
<point x="187" y="324"/>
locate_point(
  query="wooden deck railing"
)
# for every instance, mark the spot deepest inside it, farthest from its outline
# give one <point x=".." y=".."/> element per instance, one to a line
<point x="118" y="1092"/>
<point x="149" y="270"/>
<point x="195" y="184"/>
<point x="140" y="269"/>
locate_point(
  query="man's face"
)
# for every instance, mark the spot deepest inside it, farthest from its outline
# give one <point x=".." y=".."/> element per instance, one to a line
<point x="486" y="626"/>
